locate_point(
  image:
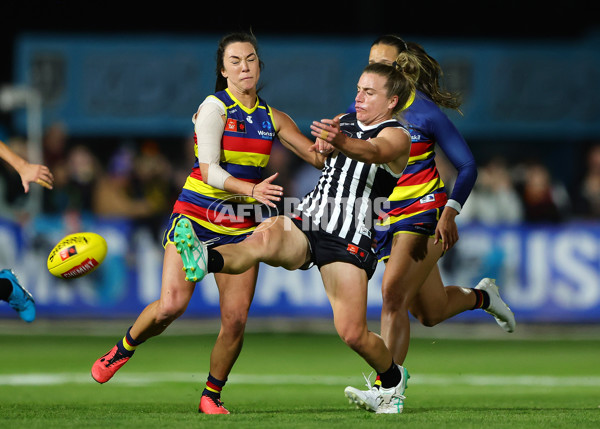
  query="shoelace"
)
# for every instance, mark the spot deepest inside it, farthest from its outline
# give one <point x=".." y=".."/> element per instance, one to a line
<point x="216" y="401"/>
<point x="368" y="381"/>
<point x="211" y="241"/>
<point x="116" y="358"/>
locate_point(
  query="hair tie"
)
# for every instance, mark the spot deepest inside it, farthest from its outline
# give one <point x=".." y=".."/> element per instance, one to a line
<point x="403" y="42"/>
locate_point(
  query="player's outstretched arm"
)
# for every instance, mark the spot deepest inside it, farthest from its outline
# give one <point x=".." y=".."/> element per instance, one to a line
<point x="29" y="173"/>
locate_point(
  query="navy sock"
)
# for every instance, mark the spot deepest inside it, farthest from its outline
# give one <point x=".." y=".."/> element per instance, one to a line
<point x="128" y="345"/>
<point x="391" y="377"/>
<point x="213" y="387"/>
<point x="482" y="299"/>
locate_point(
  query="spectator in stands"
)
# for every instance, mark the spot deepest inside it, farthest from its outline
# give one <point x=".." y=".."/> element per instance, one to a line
<point x="54" y="152"/>
<point x="494" y="199"/>
<point x="115" y="193"/>
<point x="544" y="200"/>
<point x="83" y="170"/>
<point x="586" y="193"/>
<point x="152" y="174"/>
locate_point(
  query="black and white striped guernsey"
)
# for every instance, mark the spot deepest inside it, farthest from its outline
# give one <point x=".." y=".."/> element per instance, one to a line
<point x="345" y="201"/>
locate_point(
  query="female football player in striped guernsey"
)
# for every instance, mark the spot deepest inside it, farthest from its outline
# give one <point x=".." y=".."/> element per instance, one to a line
<point x="234" y="131"/>
<point x="332" y="227"/>
<point x="418" y="226"/>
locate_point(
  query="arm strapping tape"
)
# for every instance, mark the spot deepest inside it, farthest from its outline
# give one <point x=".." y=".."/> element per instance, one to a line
<point x="208" y="124"/>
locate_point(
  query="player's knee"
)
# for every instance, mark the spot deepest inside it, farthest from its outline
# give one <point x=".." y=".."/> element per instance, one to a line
<point x="393" y="300"/>
<point x="428" y="320"/>
<point x="354" y="338"/>
<point x="169" y="310"/>
<point x="234" y="322"/>
<point x="166" y="317"/>
<point x="266" y="241"/>
<point x="260" y="241"/>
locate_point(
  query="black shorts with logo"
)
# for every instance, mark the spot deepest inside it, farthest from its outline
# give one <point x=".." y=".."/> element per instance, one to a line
<point x="326" y="248"/>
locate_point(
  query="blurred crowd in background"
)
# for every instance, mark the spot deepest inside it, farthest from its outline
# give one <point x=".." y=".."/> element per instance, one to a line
<point x="140" y="179"/>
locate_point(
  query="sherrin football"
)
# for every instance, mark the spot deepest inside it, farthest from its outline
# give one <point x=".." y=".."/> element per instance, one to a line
<point x="77" y="255"/>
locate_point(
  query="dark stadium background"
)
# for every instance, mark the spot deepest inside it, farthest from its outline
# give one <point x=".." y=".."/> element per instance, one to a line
<point x="561" y="29"/>
<point x="495" y="19"/>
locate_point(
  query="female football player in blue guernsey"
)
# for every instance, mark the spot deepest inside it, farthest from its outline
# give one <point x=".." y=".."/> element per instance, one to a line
<point x="418" y="225"/>
<point x="234" y="131"/>
<point x="11" y="290"/>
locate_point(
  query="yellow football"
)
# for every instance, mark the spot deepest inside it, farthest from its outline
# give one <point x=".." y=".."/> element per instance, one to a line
<point x="77" y="255"/>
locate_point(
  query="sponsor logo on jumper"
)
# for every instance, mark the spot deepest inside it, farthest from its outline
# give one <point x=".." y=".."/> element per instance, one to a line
<point x="427" y="199"/>
<point x="235" y="126"/>
<point x="265" y="133"/>
<point x="249" y="119"/>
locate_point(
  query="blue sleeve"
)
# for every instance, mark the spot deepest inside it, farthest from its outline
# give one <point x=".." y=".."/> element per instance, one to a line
<point x="351" y="108"/>
<point x="458" y="153"/>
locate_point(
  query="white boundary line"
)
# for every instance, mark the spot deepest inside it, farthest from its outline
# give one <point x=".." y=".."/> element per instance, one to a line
<point x="47" y="379"/>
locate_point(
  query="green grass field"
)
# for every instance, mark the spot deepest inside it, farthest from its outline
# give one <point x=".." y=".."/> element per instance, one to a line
<point x="296" y="380"/>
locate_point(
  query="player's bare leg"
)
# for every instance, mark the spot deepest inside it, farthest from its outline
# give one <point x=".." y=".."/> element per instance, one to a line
<point x="175" y="295"/>
<point x="411" y="260"/>
<point x="235" y="297"/>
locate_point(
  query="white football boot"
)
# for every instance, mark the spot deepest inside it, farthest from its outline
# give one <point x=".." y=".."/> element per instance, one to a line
<point x="369" y="399"/>
<point x="497" y="308"/>
<point x="366" y="399"/>
<point x="391" y="400"/>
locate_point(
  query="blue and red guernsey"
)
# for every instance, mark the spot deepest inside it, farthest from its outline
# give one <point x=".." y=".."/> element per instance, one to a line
<point x="420" y="187"/>
<point x="245" y="151"/>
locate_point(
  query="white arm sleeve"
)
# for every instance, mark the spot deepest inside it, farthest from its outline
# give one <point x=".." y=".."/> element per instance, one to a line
<point x="455" y="205"/>
<point x="208" y="124"/>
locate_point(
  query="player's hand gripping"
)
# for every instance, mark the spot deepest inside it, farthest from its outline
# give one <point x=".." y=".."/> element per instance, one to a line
<point x="37" y="173"/>
<point x="328" y="131"/>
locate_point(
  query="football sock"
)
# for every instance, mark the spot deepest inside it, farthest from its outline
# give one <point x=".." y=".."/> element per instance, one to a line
<point x="391" y="377"/>
<point x="5" y="289"/>
<point x="128" y="345"/>
<point x="213" y="387"/>
<point x="482" y="299"/>
<point x="377" y="383"/>
<point x="215" y="261"/>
